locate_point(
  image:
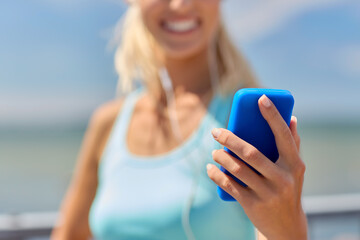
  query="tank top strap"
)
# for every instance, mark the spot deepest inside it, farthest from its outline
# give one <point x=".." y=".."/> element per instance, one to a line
<point x="117" y="139"/>
<point x="125" y="114"/>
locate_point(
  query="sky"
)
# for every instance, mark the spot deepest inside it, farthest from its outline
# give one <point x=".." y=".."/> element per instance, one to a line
<point x="56" y="66"/>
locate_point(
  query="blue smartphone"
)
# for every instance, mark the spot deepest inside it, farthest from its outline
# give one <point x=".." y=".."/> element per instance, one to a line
<point x="247" y="123"/>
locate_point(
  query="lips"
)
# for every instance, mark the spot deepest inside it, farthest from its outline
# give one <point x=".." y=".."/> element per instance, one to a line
<point x="181" y="26"/>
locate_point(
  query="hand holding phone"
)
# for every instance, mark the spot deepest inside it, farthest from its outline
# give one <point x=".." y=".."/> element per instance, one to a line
<point x="272" y="200"/>
<point x="247" y="123"/>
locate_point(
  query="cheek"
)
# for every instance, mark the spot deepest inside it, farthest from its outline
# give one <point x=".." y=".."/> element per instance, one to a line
<point x="210" y="13"/>
<point x="149" y="11"/>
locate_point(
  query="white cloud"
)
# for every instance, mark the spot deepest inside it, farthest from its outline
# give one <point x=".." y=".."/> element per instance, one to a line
<point x="250" y="20"/>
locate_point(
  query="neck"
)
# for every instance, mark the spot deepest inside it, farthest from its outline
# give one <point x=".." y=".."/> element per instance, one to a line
<point x="191" y="74"/>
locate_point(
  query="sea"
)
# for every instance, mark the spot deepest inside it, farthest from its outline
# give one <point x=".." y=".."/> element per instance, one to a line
<point x="37" y="163"/>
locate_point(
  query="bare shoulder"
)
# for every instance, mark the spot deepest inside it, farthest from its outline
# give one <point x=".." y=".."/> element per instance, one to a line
<point x="101" y="123"/>
<point x="105" y="115"/>
<point x="75" y="208"/>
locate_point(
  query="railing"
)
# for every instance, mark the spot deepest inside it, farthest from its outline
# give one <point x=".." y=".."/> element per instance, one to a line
<point x="333" y="217"/>
<point x="330" y="218"/>
<point x="27" y="226"/>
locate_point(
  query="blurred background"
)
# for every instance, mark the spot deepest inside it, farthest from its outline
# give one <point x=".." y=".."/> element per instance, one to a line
<point x="56" y="68"/>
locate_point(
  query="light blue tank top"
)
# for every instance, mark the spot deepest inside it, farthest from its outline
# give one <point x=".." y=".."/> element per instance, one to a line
<point x="167" y="196"/>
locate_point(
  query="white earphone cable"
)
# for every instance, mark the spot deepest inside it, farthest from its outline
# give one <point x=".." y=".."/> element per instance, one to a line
<point x="170" y="99"/>
<point x="169" y="92"/>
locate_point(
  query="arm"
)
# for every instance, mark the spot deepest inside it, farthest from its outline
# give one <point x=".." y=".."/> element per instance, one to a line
<point x="272" y="200"/>
<point x="260" y="236"/>
<point x="74" y="212"/>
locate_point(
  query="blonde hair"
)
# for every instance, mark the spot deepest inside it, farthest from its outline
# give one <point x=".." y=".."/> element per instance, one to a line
<point x="136" y="58"/>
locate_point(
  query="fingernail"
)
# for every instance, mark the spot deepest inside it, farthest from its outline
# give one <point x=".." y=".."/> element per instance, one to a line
<point x="295" y="119"/>
<point x="209" y="166"/>
<point x="216" y="132"/>
<point x="265" y="101"/>
<point x="213" y="152"/>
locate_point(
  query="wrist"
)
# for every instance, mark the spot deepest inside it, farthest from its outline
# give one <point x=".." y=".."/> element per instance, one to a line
<point x="297" y="231"/>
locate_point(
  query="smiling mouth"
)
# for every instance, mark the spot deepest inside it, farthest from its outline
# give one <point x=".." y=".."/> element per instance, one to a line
<point x="181" y="26"/>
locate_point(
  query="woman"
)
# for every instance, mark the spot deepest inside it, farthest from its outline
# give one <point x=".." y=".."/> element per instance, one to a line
<point x="141" y="172"/>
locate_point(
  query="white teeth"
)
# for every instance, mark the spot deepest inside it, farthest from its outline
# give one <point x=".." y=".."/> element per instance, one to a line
<point x="181" y="26"/>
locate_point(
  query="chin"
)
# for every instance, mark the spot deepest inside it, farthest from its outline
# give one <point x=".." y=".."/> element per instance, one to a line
<point x="184" y="51"/>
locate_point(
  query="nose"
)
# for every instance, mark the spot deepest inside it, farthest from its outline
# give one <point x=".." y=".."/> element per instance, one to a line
<point x="180" y="5"/>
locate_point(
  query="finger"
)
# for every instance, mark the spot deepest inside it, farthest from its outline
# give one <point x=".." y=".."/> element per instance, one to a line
<point x="283" y="137"/>
<point x="293" y="129"/>
<point x="245" y="151"/>
<point x="228" y="184"/>
<point x="240" y="170"/>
